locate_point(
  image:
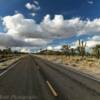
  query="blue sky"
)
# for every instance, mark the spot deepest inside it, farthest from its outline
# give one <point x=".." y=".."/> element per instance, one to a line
<point x="68" y="8"/>
<point x="41" y="12"/>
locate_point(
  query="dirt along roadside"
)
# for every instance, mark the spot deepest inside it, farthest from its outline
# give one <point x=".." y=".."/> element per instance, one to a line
<point x="87" y="65"/>
<point x="5" y="64"/>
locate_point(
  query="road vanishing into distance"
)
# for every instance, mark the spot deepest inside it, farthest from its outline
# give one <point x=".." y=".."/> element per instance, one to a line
<point x="32" y="78"/>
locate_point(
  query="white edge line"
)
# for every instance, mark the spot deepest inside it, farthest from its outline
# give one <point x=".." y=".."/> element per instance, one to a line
<point x="1" y="74"/>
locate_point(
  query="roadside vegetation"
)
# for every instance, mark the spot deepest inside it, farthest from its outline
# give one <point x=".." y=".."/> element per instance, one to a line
<point x="78" y="58"/>
<point x="7" y="57"/>
<point x="79" y="51"/>
<point x="7" y="54"/>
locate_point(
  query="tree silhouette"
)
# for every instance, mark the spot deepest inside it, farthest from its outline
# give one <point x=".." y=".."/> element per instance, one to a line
<point x="81" y="48"/>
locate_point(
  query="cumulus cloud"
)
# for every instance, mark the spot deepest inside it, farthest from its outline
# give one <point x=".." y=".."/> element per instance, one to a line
<point x="20" y="31"/>
<point x="96" y="38"/>
<point x="18" y="25"/>
<point x="8" y="41"/>
<point x="92" y="42"/>
<point x="59" y="27"/>
<point x="32" y="6"/>
<point x="28" y="6"/>
<point x="35" y="6"/>
<point x="25" y="50"/>
<point x="49" y="48"/>
<point x="54" y="48"/>
<point x="36" y="41"/>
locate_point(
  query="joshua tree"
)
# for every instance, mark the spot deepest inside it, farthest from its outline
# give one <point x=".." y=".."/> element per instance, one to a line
<point x="66" y="50"/>
<point x="72" y="51"/>
<point x="96" y="51"/>
<point x="81" y="48"/>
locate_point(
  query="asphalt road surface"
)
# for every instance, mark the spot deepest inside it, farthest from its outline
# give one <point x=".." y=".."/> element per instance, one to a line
<point x="30" y="79"/>
<point x="22" y="81"/>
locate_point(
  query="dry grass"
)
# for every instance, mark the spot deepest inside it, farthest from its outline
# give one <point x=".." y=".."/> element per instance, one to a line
<point x="86" y="65"/>
<point x="4" y="65"/>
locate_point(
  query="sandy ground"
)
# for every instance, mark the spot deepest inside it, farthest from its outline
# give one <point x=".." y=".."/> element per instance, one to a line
<point x="88" y="65"/>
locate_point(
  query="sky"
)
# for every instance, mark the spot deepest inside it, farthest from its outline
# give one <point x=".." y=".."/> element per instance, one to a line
<point x="29" y="25"/>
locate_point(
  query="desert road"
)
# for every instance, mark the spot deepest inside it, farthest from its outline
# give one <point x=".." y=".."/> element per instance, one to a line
<point x="32" y="78"/>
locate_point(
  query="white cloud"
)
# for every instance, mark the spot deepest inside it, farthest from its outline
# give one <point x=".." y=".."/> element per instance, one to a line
<point x="49" y="48"/>
<point x="33" y="14"/>
<point x="9" y="41"/>
<point x="55" y="48"/>
<point x="18" y="26"/>
<point x="21" y="31"/>
<point x="52" y="25"/>
<point x="33" y="7"/>
<point x="75" y="44"/>
<point x="25" y="50"/>
<point x="29" y="6"/>
<point x="96" y="38"/>
<point x="92" y="42"/>
<point x="58" y="27"/>
<point x="36" y="2"/>
<point x="36" y="41"/>
<point x="90" y="2"/>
